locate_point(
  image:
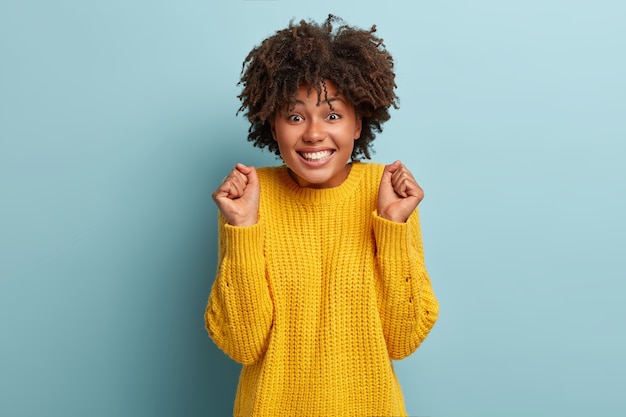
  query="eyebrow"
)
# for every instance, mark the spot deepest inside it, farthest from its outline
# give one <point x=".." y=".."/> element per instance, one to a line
<point x="329" y="101"/>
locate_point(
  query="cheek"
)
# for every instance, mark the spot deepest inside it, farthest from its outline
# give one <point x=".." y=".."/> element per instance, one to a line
<point x="286" y="134"/>
<point x="281" y="139"/>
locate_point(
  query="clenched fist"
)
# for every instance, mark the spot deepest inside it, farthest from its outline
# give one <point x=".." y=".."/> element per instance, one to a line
<point x="398" y="193"/>
<point x="237" y="197"/>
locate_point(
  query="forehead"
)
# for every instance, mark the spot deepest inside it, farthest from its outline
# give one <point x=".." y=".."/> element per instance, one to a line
<point x="326" y="88"/>
<point x="325" y="92"/>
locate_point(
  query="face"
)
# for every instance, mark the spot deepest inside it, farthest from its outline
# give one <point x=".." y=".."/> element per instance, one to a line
<point x="315" y="141"/>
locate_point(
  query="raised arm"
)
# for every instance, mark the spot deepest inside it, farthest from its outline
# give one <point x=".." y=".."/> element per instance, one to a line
<point x="406" y="300"/>
<point x="240" y="310"/>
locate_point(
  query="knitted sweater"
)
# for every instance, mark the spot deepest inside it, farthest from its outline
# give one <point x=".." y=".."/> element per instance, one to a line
<point x="318" y="297"/>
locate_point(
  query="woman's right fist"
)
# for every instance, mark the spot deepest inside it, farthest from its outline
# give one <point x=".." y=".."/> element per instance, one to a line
<point x="237" y="197"/>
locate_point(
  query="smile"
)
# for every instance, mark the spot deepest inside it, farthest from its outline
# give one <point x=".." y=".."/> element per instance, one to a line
<point x="316" y="156"/>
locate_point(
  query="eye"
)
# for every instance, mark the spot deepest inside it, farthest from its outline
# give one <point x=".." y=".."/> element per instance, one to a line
<point x="295" y="118"/>
<point x="333" y="116"/>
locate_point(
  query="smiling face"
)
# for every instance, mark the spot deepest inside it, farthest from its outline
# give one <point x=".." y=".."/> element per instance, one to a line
<point x="316" y="141"/>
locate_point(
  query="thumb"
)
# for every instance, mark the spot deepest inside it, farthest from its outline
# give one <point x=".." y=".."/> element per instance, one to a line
<point x="250" y="173"/>
<point x="389" y="170"/>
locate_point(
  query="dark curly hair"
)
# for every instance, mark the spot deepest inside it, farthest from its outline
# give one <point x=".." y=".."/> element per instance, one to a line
<point x="307" y="54"/>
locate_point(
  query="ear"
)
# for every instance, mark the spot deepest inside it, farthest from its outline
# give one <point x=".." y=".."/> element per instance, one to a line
<point x="272" y="127"/>
<point x="358" y="127"/>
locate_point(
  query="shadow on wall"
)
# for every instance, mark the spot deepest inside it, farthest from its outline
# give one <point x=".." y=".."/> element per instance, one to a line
<point x="222" y="376"/>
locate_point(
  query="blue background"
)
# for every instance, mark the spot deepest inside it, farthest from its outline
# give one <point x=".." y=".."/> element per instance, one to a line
<point x="117" y="121"/>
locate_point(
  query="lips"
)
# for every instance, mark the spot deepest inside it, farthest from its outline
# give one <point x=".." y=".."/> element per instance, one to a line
<point x="316" y="156"/>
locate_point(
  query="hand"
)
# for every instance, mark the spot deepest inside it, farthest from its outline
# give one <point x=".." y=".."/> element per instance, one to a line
<point x="238" y="196"/>
<point x="398" y="193"/>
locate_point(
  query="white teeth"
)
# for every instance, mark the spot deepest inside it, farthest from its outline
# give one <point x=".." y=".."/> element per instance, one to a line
<point x="316" y="156"/>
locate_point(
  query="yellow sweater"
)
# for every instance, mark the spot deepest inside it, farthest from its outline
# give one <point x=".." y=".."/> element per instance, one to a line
<point x="318" y="297"/>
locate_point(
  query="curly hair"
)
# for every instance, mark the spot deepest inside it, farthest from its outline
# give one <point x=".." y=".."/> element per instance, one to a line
<point x="307" y="54"/>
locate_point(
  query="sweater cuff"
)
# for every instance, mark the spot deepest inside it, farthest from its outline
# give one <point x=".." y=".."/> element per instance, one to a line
<point x="392" y="238"/>
<point x="244" y="245"/>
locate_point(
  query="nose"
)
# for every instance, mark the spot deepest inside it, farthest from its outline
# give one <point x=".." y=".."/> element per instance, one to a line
<point x="314" y="132"/>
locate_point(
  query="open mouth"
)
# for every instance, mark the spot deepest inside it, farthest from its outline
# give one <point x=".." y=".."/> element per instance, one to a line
<point x="316" y="156"/>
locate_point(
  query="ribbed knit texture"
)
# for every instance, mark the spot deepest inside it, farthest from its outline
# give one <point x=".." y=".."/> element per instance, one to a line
<point x="318" y="297"/>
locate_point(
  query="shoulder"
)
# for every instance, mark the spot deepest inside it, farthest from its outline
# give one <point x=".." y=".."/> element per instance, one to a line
<point x="269" y="173"/>
<point x="371" y="171"/>
<point x="369" y="166"/>
<point x="272" y="178"/>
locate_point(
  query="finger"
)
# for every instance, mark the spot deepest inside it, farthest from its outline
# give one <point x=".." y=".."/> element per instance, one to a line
<point x="410" y="188"/>
<point x="401" y="179"/>
<point x="231" y="187"/>
<point x="239" y="174"/>
<point x="388" y="172"/>
<point x="224" y="191"/>
<point x="391" y="168"/>
<point x="244" y="169"/>
<point x="417" y="192"/>
<point x="249" y="172"/>
<point x="235" y="182"/>
<point x="405" y="184"/>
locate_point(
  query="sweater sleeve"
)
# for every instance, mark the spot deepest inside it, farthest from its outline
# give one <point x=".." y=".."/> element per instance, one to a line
<point x="407" y="303"/>
<point x="240" y="310"/>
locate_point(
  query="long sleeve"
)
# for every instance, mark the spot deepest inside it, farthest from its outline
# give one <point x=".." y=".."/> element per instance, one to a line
<point x="317" y="297"/>
<point x="240" y="310"/>
<point x="407" y="304"/>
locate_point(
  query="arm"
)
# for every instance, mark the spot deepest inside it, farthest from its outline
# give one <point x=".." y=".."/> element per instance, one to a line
<point x="240" y="310"/>
<point x="408" y="307"/>
<point x="407" y="304"/>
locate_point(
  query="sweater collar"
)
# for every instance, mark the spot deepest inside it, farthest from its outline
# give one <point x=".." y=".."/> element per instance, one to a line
<point x="322" y="195"/>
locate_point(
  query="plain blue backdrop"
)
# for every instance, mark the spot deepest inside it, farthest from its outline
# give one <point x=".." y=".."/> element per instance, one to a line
<point x="117" y="121"/>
